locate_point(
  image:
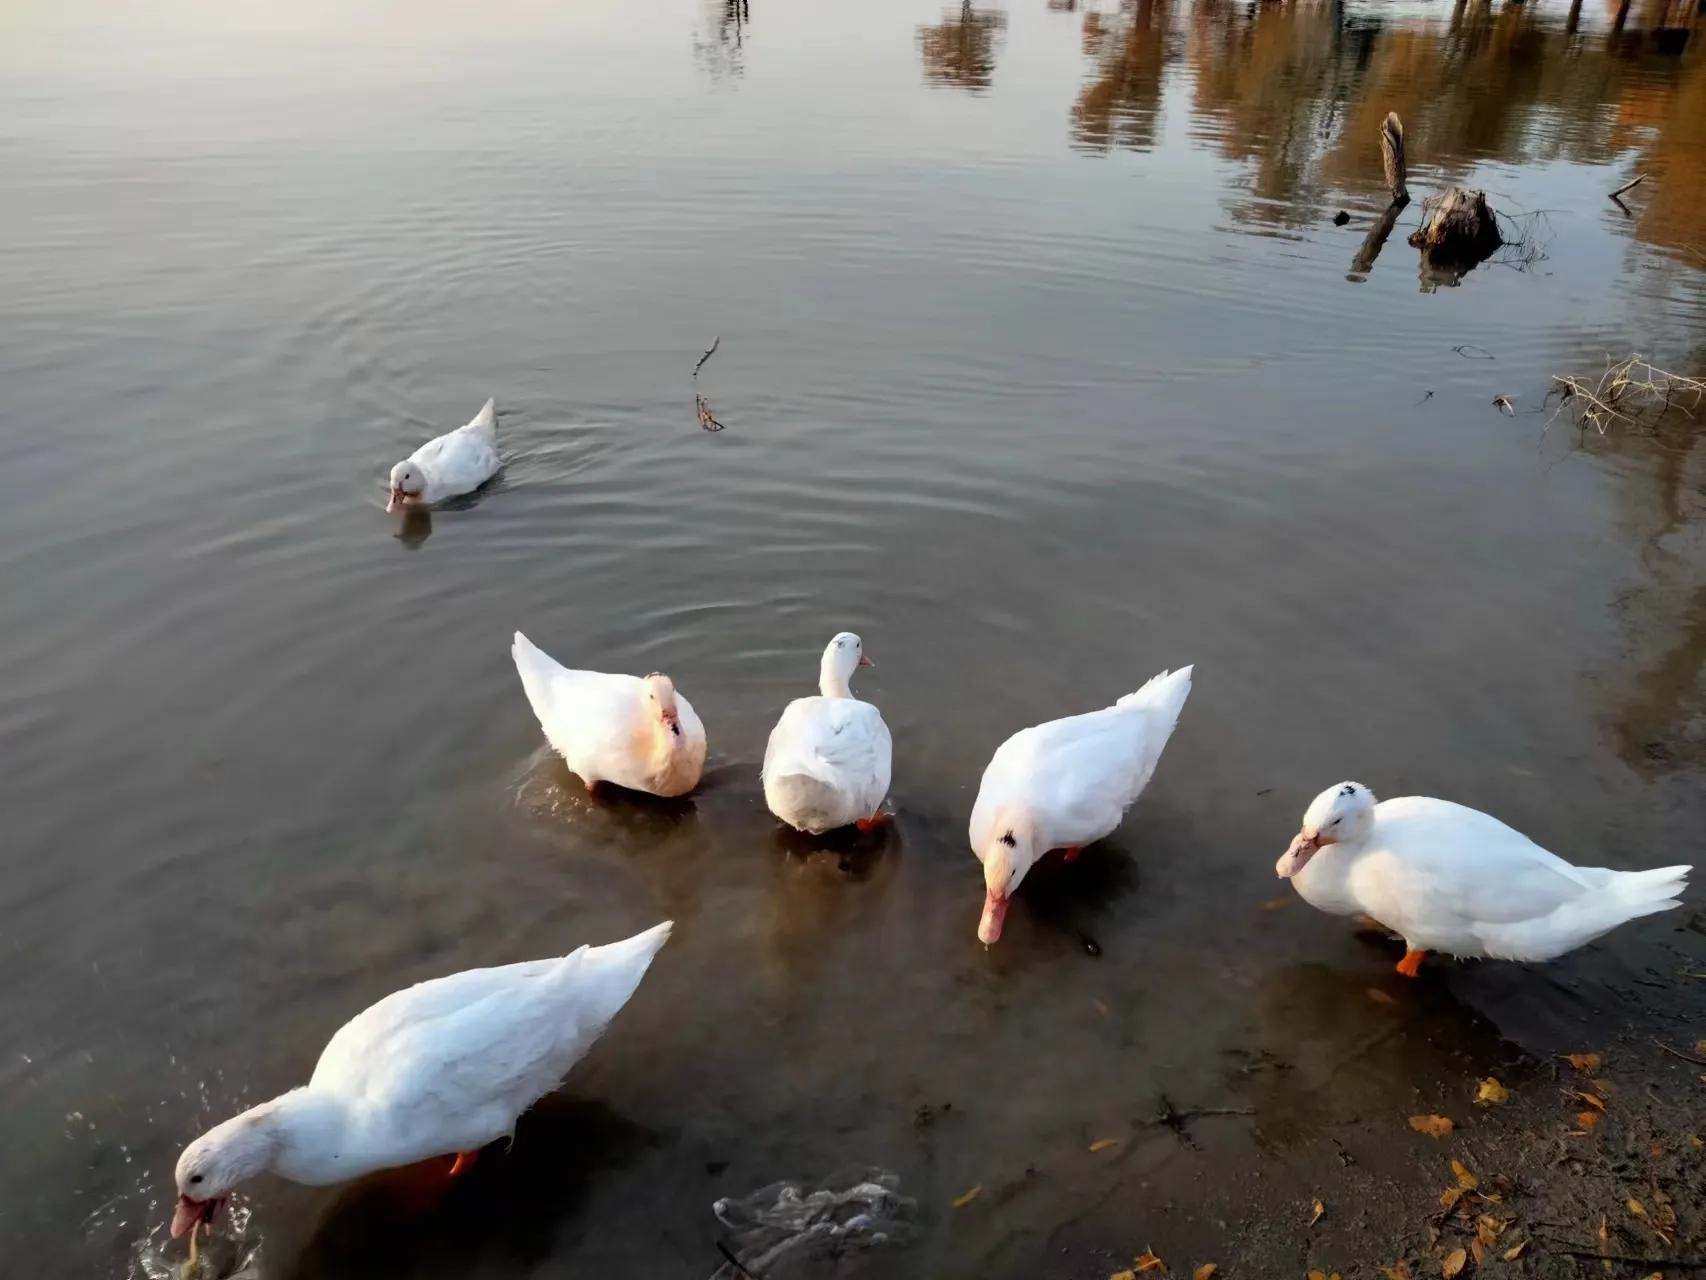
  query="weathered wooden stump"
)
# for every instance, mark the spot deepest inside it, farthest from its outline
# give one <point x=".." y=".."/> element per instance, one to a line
<point x="1458" y="228"/>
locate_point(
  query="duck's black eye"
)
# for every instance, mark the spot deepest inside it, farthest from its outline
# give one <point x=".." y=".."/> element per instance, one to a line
<point x="1008" y="840"/>
<point x="1347" y="790"/>
<point x="194" y="1178"/>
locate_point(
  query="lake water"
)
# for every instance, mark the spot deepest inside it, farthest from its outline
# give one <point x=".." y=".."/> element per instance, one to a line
<point x="1042" y="365"/>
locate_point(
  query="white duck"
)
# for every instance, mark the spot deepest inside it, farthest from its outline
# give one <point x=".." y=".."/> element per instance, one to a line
<point x="1450" y="878"/>
<point x="457" y="462"/>
<point x="443" y="1067"/>
<point x="1066" y="784"/>
<point x="829" y="757"/>
<point x="639" y="734"/>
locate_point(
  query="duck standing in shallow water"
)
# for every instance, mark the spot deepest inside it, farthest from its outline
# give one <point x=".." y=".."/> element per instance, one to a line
<point x="442" y="1068"/>
<point x="639" y="734"/>
<point x="1066" y="784"/>
<point x="1450" y="878"/>
<point x="454" y="463"/>
<point x="828" y="760"/>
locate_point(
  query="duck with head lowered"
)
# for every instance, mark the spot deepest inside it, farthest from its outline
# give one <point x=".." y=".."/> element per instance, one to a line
<point x="449" y="465"/>
<point x="1066" y="784"/>
<point x="1453" y="879"/>
<point x="440" y="1069"/>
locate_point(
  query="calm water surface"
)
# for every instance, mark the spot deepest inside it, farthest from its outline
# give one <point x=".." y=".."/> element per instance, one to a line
<point x="1042" y="366"/>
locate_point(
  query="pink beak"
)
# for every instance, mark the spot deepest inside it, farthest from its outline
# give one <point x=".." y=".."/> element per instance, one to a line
<point x="994" y="914"/>
<point x="1302" y="848"/>
<point x="865" y="662"/>
<point x="398" y="498"/>
<point x="190" y="1214"/>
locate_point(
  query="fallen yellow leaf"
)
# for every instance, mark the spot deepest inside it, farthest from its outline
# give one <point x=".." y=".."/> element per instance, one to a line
<point x="968" y="1197"/>
<point x="1465" y="1179"/>
<point x="1399" y="1270"/>
<point x="1477" y="1251"/>
<point x="1316" y="1216"/>
<point x="1593" y="1100"/>
<point x="1636" y="1207"/>
<point x="1204" y="1272"/>
<point x="1102" y="1144"/>
<point x="1491" y="1093"/>
<point x="1149" y="1262"/>
<point x="1694" y="1138"/>
<point x="1587" y="1120"/>
<point x="1515" y="1251"/>
<point x="1123" y="1275"/>
<point x="1588" y="1062"/>
<point x="1604" y="1234"/>
<point x="1449" y="1197"/>
<point x="1433" y="1126"/>
<point x="1700" y="1047"/>
<point x="1488" y="1228"/>
<point x="1453" y="1264"/>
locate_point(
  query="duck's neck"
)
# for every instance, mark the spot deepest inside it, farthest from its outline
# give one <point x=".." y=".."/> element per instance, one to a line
<point x="1325" y="882"/>
<point x="831" y="683"/>
<point x="312" y="1136"/>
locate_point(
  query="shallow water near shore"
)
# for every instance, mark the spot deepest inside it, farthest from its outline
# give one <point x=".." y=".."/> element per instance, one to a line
<point x="1043" y="367"/>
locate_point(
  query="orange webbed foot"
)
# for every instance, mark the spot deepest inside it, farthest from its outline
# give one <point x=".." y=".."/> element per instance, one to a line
<point x="1072" y="852"/>
<point x="877" y="819"/>
<point x="464" y="1159"/>
<point x="1411" y="964"/>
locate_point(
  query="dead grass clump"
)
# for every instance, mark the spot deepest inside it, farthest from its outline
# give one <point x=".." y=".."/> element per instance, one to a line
<point x="1631" y="392"/>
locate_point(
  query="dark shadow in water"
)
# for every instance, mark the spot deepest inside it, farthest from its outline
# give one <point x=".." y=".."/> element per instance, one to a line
<point x="853" y="852"/>
<point x="414" y="528"/>
<point x="722" y="50"/>
<point x="1065" y="898"/>
<point x="960" y="49"/>
<point x="510" y="1205"/>
<point x="610" y="809"/>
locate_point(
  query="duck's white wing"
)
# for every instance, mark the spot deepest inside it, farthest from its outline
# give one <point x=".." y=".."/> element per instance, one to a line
<point x="583" y="713"/>
<point x="480" y="1047"/>
<point x="840" y="741"/>
<point x="461" y="461"/>
<point x="1442" y="864"/>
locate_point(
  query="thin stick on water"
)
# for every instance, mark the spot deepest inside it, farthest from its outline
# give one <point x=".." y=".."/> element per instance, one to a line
<point x="190" y="1266"/>
<point x="709" y="352"/>
<point x="701" y="406"/>
<point x="1636" y="181"/>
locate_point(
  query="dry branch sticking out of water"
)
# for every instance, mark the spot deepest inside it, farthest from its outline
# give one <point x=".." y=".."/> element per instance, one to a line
<point x="701" y="406"/>
<point x="1631" y="391"/>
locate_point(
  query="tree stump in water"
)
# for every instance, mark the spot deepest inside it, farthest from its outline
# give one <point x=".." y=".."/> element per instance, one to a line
<point x="1458" y="228"/>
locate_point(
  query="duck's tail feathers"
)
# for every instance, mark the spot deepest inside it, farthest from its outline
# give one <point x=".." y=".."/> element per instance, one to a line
<point x="1164" y="695"/>
<point x="536" y="667"/>
<point x="488" y="415"/>
<point x="1625" y="896"/>
<point x="804" y="802"/>
<point x="605" y="978"/>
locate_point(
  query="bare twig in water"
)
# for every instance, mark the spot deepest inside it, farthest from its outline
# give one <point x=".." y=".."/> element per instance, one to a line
<point x="1426" y="396"/>
<point x="1579" y="1251"/>
<point x="721" y="1247"/>
<point x="709" y="352"/>
<point x="701" y="406"/>
<point x="1626" y="389"/>
<point x="1464" y="349"/>
<point x="1678" y="1053"/>
<point x="1634" y="182"/>
<point x="1503" y="405"/>
<point x="706" y="419"/>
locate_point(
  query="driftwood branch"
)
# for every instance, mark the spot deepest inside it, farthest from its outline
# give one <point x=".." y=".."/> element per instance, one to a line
<point x="701" y="406"/>
<point x="1678" y="1053"/>
<point x="1634" y="182"/>
<point x="1392" y="160"/>
<point x="1392" y="156"/>
<point x="709" y="352"/>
